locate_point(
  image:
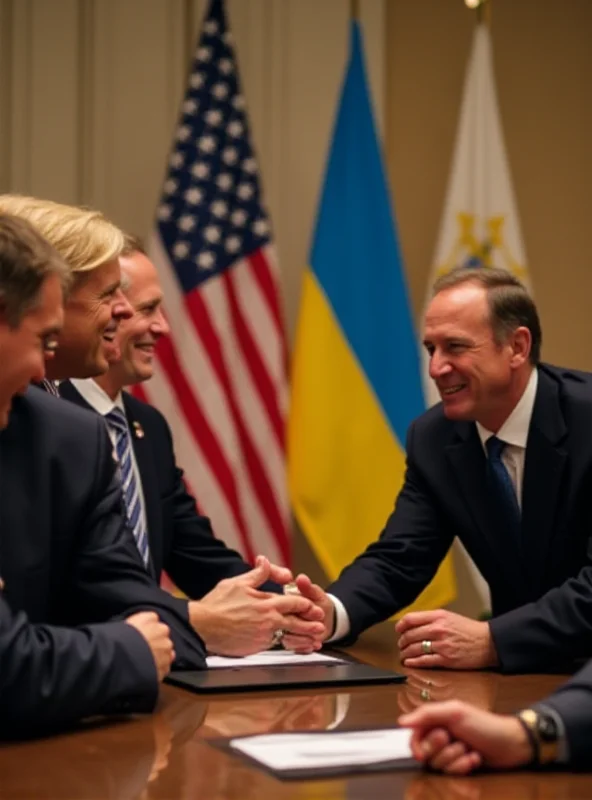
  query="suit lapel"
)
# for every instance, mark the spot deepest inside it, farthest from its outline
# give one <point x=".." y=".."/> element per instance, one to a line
<point x="150" y="486"/>
<point x="144" y="459"/>
<point x="467" y="459"/>
<point x="544" y="467"/>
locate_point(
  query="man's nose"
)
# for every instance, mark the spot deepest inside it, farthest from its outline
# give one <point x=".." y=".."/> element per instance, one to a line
<point x="121" y="307"/>
<point x="160" y="326"/>
<point x="439" y="365"/>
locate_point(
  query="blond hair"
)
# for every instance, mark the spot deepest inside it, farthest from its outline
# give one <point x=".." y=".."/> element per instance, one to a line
<point x="84" y="238"/>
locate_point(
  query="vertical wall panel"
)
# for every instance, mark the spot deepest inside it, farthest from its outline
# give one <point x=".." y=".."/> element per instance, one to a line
<point x="137" y="79"/>
<point x="93" y="90"/>
<point x="21" y="98"/>
<point x="5" y="92"/>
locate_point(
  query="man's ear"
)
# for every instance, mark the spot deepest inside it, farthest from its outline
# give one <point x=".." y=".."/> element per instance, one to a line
<point x="521" y="341"/>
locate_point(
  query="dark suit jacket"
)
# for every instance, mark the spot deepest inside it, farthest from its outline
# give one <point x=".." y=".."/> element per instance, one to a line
<point x="181" y="541"/>
<point x="573" y="703"/>
<point x="541" y="585"/>
<point x="67" y="558"/>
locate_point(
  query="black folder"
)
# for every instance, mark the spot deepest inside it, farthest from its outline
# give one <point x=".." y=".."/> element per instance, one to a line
<point x="348" y="672"/>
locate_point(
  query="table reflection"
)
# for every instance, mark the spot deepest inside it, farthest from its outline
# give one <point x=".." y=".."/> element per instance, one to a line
<point x="274" y="714"/>
<point x="434" y="686"/>
<point x="103" y="760"/>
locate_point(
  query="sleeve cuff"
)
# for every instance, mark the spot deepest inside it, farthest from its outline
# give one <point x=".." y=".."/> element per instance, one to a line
<point x="562" y="745"/>
<point x="342" y="625"/>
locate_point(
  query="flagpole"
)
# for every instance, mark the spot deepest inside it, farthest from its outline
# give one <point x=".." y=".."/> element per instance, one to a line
<point x="484" y="13"/>
<point x="482" y="10"/>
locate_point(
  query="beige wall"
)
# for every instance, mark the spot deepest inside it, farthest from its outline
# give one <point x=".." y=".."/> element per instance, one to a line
<point x="543" y="64"/>
<point x="89" y="91"/>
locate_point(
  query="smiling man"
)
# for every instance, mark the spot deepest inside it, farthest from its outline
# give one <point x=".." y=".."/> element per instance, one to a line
<point x="230" y="610"/>
<point x="504" y="462"/>
<point x="90" y="245"/>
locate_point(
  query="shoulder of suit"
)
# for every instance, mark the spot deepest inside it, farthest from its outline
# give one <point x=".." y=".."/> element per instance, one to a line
<point x="53" y="419"/>
<point x="431" y="420"/>
<point x="571" y="382"/>
<point x="40" y="402"/>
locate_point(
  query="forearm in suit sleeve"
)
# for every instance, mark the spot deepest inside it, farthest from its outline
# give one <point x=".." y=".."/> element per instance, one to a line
<point x="391" y="573"/>
<point x="573" y="703"/>
<point x="552" y="631"/>
<point x="197" y="560"/>
<point x="51" y="676"/>
<point x="110" y="579"/>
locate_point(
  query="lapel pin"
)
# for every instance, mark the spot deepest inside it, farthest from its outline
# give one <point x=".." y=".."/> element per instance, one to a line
<point x="138" y="430"/>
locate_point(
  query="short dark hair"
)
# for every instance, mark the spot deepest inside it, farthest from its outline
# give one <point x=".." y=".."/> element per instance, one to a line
<point x="510" y="304"/>
<point x="133" y="244"/>
<point x="26" y="260"/>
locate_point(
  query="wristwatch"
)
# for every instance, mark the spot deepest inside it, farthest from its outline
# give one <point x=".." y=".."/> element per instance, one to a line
<point x="543" y="733"/>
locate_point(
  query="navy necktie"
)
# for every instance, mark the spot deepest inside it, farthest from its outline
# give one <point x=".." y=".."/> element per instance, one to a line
<point x="501" y="486"/>
<point x="131" y="490"/>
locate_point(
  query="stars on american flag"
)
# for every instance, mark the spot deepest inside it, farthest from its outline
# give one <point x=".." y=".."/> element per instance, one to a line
<point x="211" y="212"/>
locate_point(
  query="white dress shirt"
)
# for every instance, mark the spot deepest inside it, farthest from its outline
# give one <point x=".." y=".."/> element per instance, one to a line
<point x="96" y="397"/>
<point x="514" y="432"/>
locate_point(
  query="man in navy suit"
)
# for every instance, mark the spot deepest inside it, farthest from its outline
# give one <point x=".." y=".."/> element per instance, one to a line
<point x="234" y="614"/>
<point x="504" y="462"/>
<point x="60" y="509"/>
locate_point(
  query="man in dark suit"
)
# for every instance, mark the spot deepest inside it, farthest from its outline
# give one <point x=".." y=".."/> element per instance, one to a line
<point x="457" y="737"/>
<point x="234" y="615"/>
<point x="505" y="464"/>
<point x="65" y="555"/>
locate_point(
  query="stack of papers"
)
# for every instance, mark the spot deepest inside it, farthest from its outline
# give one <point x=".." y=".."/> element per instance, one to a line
<point x="329" y="753"/>
<point x="270" y="658"/>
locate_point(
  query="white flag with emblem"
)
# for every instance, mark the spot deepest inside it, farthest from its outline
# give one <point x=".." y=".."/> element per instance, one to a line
<point x="479" y="226"/>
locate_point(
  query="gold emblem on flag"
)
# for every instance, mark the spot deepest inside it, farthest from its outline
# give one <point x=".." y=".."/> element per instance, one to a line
<point x="473" y="252"/>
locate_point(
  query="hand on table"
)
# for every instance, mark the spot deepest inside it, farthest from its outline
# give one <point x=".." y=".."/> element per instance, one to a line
<point x="441" y="638"/>
<point x="457" y="738"/>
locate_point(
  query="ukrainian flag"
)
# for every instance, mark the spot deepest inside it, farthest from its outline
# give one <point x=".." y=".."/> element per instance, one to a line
<point x="356" y="381"/>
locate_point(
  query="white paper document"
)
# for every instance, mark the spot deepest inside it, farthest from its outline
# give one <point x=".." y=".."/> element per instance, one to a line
<point x="317" y="751"/>
<point x="271" y="658"/>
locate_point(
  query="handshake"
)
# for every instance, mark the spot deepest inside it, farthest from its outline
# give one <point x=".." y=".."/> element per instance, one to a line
<point x="237" y="618"/>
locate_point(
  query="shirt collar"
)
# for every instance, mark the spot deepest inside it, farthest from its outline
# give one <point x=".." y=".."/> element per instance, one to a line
<point x="514" y="431"/>
<point x="96" y="396"/>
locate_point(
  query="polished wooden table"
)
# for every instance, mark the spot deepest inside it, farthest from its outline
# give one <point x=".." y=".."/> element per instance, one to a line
<point x="168" y="756"/>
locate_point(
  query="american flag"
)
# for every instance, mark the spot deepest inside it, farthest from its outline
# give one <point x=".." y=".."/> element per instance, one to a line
<point x="220" y="378"/>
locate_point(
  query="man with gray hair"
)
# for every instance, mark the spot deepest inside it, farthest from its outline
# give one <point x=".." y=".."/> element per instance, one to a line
<point x="504" y="462"/>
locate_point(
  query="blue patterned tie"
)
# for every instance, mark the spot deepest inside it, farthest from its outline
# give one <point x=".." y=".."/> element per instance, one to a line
<point x="131" y="491"/>
<point x="501" y="486"/>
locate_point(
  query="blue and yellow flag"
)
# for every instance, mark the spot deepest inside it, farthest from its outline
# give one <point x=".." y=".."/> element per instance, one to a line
<point x="356" y="381"/>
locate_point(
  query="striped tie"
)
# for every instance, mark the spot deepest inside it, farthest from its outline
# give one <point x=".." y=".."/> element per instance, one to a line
<point x="131" y="491"/>
<point x="50" y="387"/>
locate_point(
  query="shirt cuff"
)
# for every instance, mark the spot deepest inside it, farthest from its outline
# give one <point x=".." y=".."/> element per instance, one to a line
<point x="562" y="745"/>
<point x="342" y="626"/>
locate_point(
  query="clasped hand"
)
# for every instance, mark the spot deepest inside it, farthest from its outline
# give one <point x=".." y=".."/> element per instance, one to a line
<point x="238" y="619"/>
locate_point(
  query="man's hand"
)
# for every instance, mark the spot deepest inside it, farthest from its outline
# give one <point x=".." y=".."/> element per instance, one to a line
<point x="316" y="595"/>
<point x="456" y="641"/>
<point x="158" y="638"/>
<point x="457" y="738"/>
<point x="236" y="619"/>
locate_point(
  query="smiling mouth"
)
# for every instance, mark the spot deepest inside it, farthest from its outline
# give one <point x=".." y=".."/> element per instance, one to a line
<point x="449" y="390"/>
